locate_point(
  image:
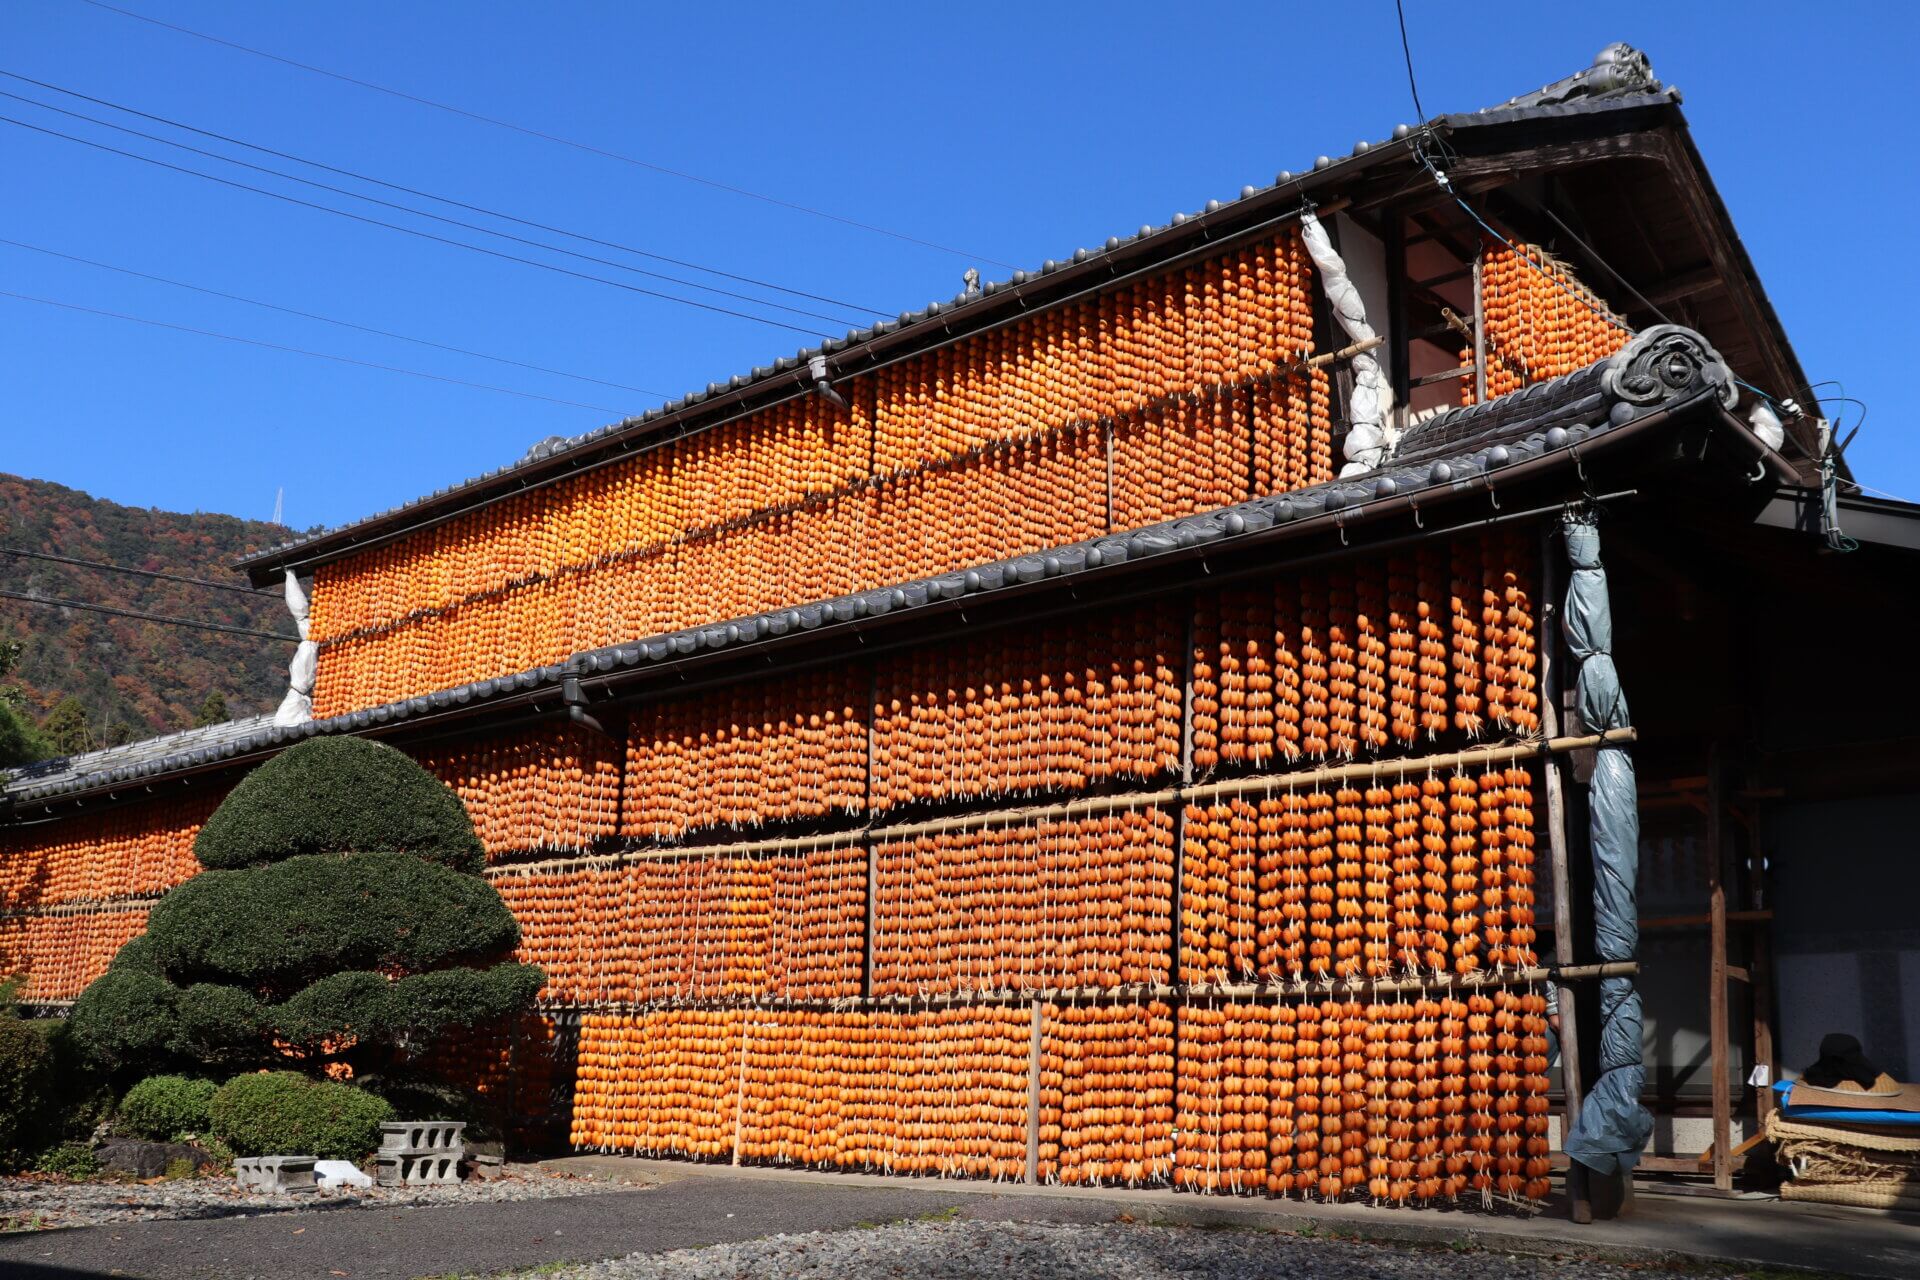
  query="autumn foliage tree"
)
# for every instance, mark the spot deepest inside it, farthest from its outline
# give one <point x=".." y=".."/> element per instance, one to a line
<point x="340" y="919"/>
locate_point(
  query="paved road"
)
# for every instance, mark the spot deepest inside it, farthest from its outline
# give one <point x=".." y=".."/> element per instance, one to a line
<point x="398" y="1244"/>
<point x="716" y="1205"/>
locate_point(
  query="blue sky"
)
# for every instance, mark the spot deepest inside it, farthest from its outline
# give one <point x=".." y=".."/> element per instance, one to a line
<point x="1010" y="132"/>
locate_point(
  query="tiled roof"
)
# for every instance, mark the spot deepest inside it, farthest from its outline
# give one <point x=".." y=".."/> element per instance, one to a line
<point x="1663" y="369"/>
<point x="190" y="745"/>
<point x="1619" y="78"/>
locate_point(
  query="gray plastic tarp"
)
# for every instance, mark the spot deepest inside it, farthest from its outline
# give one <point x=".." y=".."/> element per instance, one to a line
<point x="1613" y="1127"/>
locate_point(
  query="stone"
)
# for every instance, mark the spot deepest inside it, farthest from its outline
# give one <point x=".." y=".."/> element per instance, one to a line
<point x="484" y="1167"/>
<point x="149" y="1159"/>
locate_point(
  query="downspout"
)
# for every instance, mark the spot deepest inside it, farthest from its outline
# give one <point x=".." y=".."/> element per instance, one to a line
<point x="1613" y="1127"/>
<point x="1370" y="439"/>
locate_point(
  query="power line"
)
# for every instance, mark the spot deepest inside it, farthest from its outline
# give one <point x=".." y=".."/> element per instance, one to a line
<point x="412" y="231"/>
<point x="554" y="138"/>
<point x="23" y="553"/>
<point x="301" y="351"/>
<point x="162" y="619"/>
<point x="309" y="315"/>
<point x="421" y="213"/>
<point x="438" y="199"/>
<point x="1405" y="49"/>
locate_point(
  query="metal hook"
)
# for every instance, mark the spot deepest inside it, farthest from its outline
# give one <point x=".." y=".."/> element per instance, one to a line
<point x="1492" y="496"/>
<point x="1419" y="519"/>
<point x="1340" y="522"/>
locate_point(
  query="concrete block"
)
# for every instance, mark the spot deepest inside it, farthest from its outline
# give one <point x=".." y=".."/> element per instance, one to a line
<point x="275" y="1173"/>
<point x="422" y="1135"/>
<point x="404" y="1169"/>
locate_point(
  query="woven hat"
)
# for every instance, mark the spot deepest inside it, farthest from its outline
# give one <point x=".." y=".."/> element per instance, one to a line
<point x="1844" y="1077"/>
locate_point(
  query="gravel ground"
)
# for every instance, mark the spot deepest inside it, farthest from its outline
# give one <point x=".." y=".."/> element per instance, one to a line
<point x="33" y="1204"/>
<point x="1042" y="1251"/>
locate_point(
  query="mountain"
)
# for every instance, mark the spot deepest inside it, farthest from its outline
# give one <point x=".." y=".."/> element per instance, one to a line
<point x="134" y="679"/>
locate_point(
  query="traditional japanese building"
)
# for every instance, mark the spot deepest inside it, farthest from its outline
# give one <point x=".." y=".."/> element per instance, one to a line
<point x="1159" y="718"/>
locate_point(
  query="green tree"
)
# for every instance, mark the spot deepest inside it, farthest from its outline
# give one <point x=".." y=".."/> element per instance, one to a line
<point x="341" y="918"/>
<point x="66" y="729"/>
<point x="20" y="741"/>
<point x="212" y="711"/>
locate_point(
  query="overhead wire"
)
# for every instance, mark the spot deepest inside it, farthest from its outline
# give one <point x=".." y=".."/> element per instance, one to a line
<point x="420" y="213"/>
<point x="1407" y="51"/>
<point x="414" y="231"/>
<point x="544" y="136"/>
<point x="302" y="351"/>
<point x="255" y="593"/>
<point x="438" y="199"/>
<point x="311" y="315"/>
<point x="160" y="618"/>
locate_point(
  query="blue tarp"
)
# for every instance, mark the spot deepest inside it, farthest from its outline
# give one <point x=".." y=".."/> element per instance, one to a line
<point x="1613" y="1127"/>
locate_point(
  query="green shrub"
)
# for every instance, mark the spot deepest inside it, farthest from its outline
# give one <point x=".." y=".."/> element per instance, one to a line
<point x="428" y="1004"/>
<point x="68" y="1160"/>
<point x="26" y="1081"/>
<point x="219" y="1024"/>
<point x="351" y="1005"/>
<point x="304" y="918"/>
<point x="341" y="920"/>
<point x="280" y="1113"/>
<point x="125" y="1017"/>
<point x="161" y="1108"/>
<point x="136" y="956"/>
<point x="338" y="795"/>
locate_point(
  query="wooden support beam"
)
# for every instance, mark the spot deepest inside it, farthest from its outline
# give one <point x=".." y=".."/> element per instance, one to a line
<point x="1719" y="1050"/>
<point x="1446" y="375"/>
<point x="1552" y="661"/>
<point x="1711" y="1155"/>
<point x="1479" y="329"/>
<point x="1033" y="1094"/>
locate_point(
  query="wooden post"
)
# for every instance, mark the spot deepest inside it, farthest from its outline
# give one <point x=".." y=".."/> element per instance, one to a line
<point x="1760" y="967"/>
<point x="872" y="919"/>
<point x="1480" y="331"/>
<point x="1033" y="1095"/>
<point x="1552" y="585"/>
<point x="1108" y="432"/>
<point x="1718" y="1048"/>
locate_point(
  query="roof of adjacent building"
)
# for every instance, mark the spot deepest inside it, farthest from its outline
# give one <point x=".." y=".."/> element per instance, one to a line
<point x="1620" y="80"/>
<point x="1661" y="373"/>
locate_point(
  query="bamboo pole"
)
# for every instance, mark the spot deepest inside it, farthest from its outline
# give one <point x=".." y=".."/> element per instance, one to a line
<point x="1033" y="1094"/>
<point x="1405" y="767"/>
<point x="1246" y="992"/>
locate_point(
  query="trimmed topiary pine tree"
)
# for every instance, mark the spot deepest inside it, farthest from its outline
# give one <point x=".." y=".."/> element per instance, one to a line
<point x="341" y="919"/>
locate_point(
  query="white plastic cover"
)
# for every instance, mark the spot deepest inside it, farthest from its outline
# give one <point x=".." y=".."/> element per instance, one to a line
<point x="297" y="706"/>
<point x="297" y="603"/>
<point x="1370" y="439"/>
<point x="1766" y="424"/>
